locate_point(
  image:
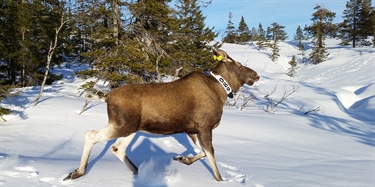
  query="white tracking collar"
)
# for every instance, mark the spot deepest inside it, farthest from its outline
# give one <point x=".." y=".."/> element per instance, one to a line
<point x="224" y="83"/>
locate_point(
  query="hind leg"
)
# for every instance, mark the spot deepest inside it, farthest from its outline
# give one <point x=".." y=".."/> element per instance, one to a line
<point x="189" y="160"/>
<point x="119" y="149"/>
<point x="91" y="138"/>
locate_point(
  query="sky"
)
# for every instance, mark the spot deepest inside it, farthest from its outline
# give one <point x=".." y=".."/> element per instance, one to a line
<point x="288" y="13"/>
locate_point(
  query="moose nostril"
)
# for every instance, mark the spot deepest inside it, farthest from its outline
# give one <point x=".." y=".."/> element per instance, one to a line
<point x="257" y="78"/>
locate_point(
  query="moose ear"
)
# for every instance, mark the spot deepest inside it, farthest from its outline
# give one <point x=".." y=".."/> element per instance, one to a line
<point x="220" y="55"/>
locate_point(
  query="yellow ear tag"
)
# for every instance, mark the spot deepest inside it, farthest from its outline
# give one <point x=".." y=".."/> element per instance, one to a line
<point x="218" y="58"/>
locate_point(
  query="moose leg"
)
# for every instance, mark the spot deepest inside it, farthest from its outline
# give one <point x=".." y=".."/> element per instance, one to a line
<point x="119" y="149"/>
<point x="189" y="160"/>
<point x="205" y="138"/>
<point x="91" y="138"/>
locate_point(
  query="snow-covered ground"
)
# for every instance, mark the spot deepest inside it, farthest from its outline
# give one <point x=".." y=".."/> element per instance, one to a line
<point x="333" y="146"/>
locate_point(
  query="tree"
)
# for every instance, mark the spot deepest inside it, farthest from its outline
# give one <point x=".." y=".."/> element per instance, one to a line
<point x="230" y="31"/>
<point x="322" y="24"/>
<point x="25" y="40"/>
<point x="262" y="40"/>
<point x="98" y="34"/>
<point x="293" y="66"/>
<point x="243" y="31"/>
<point x="275" y="50"/>
<point x="254" y="34"/>
<point x="152" y="28"/>
<point x="191" y="49"/>
<point x="51" y="51"/>
<point x="365" y="24"/>
<point x="350" y="25"/>
<point x="298" y="36"/>
<point x="306" y="32"/>
<point x="373" y="26"/>
<point x="277" y="32"/>
<point x="4" y="91"/>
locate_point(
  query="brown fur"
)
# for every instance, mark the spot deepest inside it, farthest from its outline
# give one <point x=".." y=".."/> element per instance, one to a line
<point x="192" y="105"/>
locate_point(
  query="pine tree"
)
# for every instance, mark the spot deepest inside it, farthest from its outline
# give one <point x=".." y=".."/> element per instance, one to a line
<point x="262" y="40"/>
<point x="299" y="37"/>
<point x="191" y="49"/>
<point x="364" y="22"/>
<point x="151" y="27"/>
<point x="8" y="42"/>
<point x="306" y="32"/>
<point x="293" y="66"/>
<point x="269" y="33"/>
<point x="277" y="32"/>
<point x="322" y="24"/>
<point x="100" y="48"/>
<point x="275" y="50"/>
<point x="350" y="25"/>
<point x="26" y="39"/>
<point x="243" y="31"/>
<point x="230" y="31"/>
<point x="4" y="91"/>
<point x="254" y="34"/>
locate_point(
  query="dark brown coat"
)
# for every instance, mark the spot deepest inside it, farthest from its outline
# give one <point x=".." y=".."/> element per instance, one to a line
<point x="192" y="105"/>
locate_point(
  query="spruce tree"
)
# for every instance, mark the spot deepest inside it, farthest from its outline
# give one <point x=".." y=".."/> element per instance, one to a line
<point x="254" y="34"/>
<point x="365" y="23"/>
<point x="277" y="32"/>
<point x="275" y="50"/>
<point x="26" y="39"/>
<point x="373" y="26"/>
<point x="322" y="24"/>
<point x="350" y="25"/>
<point x="191" y="47"/>
<point x="4" y="91"/>
<point x="298" y="36"/>
<point x="230" y="31"/>
<point x="262" y="40"/>
<point x="293" y="66"/>
<point x="243" y="31"/>
<point x="100" y="49"/>
<point x="151" y="27"/>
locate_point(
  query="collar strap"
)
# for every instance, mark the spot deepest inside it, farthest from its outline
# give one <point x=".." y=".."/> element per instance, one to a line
<point x="223" y="83"/>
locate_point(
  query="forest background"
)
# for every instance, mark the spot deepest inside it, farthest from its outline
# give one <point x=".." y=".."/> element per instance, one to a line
<point x="140" y="41"/>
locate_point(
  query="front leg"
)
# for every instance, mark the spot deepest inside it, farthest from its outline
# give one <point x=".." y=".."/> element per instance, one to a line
<point x="205" y="138"/>
<point x="91" y="138"/>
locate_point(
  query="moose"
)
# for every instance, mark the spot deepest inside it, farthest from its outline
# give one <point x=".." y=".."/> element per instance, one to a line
<point x="192" y="104"/>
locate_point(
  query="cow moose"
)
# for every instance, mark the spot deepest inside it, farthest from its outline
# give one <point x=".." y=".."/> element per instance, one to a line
<point x="192" y="104"/>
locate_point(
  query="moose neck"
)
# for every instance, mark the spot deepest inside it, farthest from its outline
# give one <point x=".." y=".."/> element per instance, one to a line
<point x="230" y="77"/>
<point x="223" y="83"/>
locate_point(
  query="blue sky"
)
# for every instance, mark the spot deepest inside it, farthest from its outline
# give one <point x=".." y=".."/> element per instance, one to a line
<point x="289" y="13"/>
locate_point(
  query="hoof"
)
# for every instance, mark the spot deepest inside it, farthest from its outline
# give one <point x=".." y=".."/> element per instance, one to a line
<point x="73" y="175"/>
<point x="183" y="159"/>
<point x="178" y="158"/>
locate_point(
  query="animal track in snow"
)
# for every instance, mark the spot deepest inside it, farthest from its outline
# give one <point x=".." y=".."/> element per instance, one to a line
<point x="233" y="173"/>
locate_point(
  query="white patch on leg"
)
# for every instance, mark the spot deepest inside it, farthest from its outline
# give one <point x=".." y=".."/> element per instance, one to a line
<point x="121" y="144"/>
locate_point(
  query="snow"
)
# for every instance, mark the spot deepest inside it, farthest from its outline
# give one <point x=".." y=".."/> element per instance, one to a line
<point x="332" y="146"/>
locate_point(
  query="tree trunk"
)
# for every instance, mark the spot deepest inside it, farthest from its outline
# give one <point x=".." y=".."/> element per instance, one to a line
<point x="52" y="47"/>
<point x="116" y="18"/>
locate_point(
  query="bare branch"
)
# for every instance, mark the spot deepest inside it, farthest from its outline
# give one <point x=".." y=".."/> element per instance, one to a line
<point x="273" y="104"/>
<point x="315" y="110"/>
